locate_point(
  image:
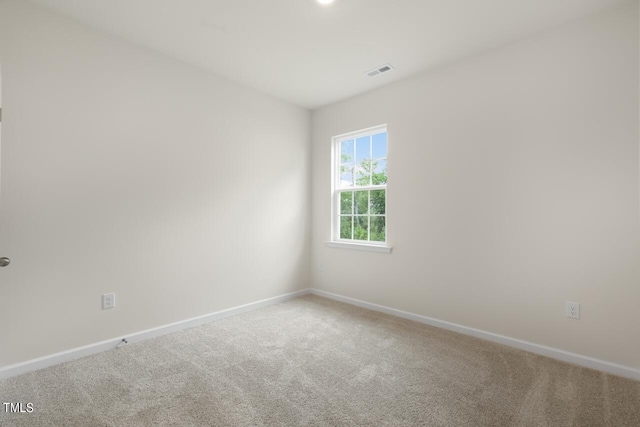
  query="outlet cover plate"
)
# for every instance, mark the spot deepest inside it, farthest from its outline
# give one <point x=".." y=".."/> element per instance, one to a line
<point x="573" y="310"/>
<point x="108" y="301"/>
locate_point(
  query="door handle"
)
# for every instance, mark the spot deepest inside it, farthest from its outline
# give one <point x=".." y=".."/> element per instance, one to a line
<point x="4" y="261"/>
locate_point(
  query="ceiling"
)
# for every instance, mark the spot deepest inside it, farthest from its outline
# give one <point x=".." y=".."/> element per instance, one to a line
<point x="313" y="55"/>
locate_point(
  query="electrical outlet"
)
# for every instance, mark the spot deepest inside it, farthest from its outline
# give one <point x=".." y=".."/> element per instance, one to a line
<point x="573" y="310"/>
<point x="108" y="301"/>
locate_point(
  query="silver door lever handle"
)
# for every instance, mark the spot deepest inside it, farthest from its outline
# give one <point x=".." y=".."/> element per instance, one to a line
<point x="4" y="261"/>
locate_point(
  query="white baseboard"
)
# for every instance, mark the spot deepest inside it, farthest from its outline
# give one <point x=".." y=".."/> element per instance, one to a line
<point x="554" y="353"/>
<point x="76" y="353"/>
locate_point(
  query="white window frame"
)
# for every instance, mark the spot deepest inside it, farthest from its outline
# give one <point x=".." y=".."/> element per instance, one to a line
<point x="336" y="241"/>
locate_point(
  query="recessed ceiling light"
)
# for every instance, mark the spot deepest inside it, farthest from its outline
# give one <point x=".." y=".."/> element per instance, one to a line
<point x="325" y="2"/>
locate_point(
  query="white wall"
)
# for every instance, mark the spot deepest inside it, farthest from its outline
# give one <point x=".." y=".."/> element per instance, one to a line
<point x="126" y="171"/>
<point x="513" y="188"/>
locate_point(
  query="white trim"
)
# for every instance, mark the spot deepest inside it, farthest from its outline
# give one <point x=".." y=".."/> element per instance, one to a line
<point x="362" y="132"/>
<point x="360" y="246"/>
<point x="554" y="353"/>
<point x="69" y="355"/>
<point x="335" y="172"/>
<point x="87" y="350"/>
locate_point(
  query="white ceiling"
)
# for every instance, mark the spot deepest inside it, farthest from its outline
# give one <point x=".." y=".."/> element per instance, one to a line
<point x="314" y="55"/>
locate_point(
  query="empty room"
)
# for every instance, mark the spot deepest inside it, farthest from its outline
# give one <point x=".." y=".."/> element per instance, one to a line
<point x="320" y="213"/>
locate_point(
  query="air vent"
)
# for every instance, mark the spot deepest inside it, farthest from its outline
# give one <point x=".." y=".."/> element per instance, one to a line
<point x="379" y="70"/>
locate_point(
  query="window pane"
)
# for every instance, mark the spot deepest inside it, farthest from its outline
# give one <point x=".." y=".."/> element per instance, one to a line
<point x="363" y="173"/>
<point x="346" y="176"/>
<point x="379" y="176"/>
<point x="378" y="229"/>
<point x="360" y="183"/>
<point x="362" y="202"/>
<point x="361" y="228"/>
<point x="363" y="149"/>
<point x="346" y="224"/>
<point x="346" y="151"/>
<point x="346" y="202"/>
<point x="378" y="202"/>
<point x="379" y="145"/>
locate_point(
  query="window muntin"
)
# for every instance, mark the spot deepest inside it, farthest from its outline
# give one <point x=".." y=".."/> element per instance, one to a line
<point x="360" y="205"/>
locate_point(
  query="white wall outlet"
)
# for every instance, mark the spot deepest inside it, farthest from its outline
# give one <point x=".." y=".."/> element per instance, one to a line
<point x="108" y="301"/>
<point x="573" y="310"/>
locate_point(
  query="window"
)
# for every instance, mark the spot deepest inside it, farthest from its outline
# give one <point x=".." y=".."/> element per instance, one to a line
<point x="360" y="187"/>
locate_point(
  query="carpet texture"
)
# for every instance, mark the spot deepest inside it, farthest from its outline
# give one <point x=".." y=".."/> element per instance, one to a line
<point x="313" y="361"/>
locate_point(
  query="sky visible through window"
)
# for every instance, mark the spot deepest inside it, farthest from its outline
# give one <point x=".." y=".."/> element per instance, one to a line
<point x="368" y="150"/>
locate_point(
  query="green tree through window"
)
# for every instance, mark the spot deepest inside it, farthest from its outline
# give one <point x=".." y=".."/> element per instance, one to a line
<point x="361" y="186"/>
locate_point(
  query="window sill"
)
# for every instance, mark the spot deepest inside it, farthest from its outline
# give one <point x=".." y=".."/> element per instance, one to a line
<point x="359" y="247"/>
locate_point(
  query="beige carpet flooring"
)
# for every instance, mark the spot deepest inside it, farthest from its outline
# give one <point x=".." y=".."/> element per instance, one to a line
<point x="317" y="362"/>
